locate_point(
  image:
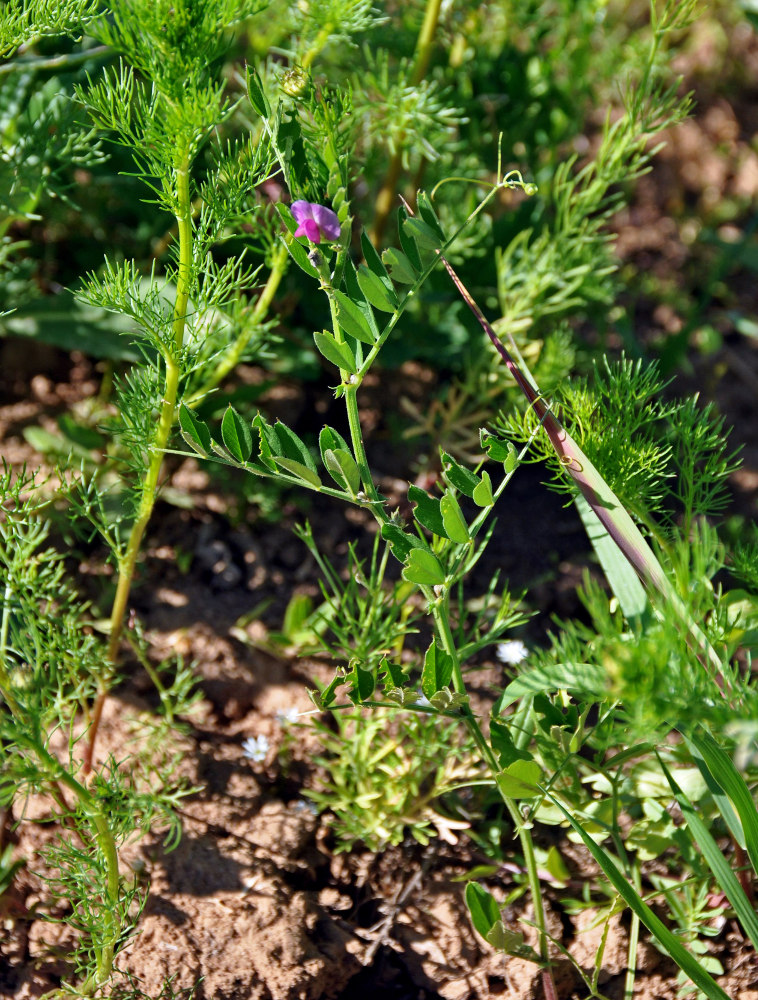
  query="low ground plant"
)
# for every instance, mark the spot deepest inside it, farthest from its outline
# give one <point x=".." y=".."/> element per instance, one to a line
<point x="637" y="710"/>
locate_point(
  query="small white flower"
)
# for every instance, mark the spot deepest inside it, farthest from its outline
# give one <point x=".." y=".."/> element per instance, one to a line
<point x="305" y="805"/>
<point x="255" y="748"/>
<point x="286" y="716"/>
<point x="511" y="652"/>
<point x="422" y="701"/>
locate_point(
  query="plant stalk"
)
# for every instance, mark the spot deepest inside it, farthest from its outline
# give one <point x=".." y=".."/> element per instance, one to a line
<point x="128" y="561"/>
<point x="441" y="614"/>
<point x="107" y="845"/>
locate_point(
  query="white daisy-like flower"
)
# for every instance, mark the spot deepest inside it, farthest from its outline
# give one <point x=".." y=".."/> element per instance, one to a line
<point x="255" y="748"/>
<point x="286" y="716"/>
<point x="511" y="652"/>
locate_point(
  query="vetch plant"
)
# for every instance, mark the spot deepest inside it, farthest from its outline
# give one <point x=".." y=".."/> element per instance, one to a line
<point x="447" y="537"/>
<point x="574" y="738"/>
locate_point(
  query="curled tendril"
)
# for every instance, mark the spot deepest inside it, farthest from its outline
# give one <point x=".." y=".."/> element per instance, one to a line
<point x="512" y="180"/>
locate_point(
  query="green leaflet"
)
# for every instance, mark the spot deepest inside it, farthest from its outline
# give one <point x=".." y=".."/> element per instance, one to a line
<point x="376" y="291"/>
<point x="427" y="511"/>
<point x="339" y="354"/>
<point x="194" y="431"/>
<point x="236" y="435"/>
<point x="453" y="520"/>
<point x="423" y="567"/>
<point x="352" y="319"/>
<point x="399" y="266"/>
<point x="438" y="670"/>
<point x="343" y="469"/>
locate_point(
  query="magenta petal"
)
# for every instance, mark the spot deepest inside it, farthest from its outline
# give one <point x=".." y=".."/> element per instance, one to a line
<point x="302" y="210"/>
<point x="327" y="221"/>
<point x="311" y="230"/>
<point x="300" y="231"/>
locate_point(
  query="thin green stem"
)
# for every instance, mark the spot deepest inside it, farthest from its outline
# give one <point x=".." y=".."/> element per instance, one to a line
<point x="65" y="62"/>
<point x="425" y="41"/>
<point x="154" y="676"/>
<point x="5" y="681"/>
<point x="350" y="385"/>
<point x="530" y="862"/>
<point x="440" y="612"/>
<point x="380" y="580"/>
<point x="395" y="317"/>
<point x="356" y="439"/>
<point x="107" y="846"/>
<point x="315" y="50"/>
<point x="128" y="561"/>
<point x="5" y="623"/>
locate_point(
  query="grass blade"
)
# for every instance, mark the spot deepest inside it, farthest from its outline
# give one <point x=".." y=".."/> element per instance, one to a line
<point x="686" y="962"/>
<point x="606" y="506"/>
<point x="716" y="861"/>
<point x="729" y="778"/>
<point x="623" y="580"/>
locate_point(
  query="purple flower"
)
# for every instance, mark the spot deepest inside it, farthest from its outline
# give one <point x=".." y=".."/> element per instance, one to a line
<point x="317" y="222"/>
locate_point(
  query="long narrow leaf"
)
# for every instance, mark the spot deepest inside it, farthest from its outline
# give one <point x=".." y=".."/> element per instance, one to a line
<point x="726" y="774"/>
<point x="723" y="803"/>
<point x="609" y="510"/>
<point x="619" y="573"/>
<point x="716" y="860"/>
<point x="686" y="962"/>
